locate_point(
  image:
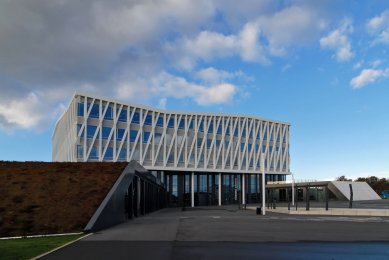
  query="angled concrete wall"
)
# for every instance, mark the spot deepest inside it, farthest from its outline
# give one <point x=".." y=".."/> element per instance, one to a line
<point x="112" y="210"/>
<point x="361" y="190"/>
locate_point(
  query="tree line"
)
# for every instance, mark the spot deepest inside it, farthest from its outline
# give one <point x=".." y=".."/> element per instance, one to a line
<point x="377" y="184"/>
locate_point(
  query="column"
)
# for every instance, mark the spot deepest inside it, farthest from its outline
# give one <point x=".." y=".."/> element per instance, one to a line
<point x="243" y="188"/>
<point x="192" y="190"/>
<point x="220" y="189"/>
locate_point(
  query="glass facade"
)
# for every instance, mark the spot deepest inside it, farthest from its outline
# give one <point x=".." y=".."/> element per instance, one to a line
<point x="206" y="188"/>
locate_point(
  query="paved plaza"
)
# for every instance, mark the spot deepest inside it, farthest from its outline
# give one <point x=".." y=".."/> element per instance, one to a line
<point x="220" y="233"/>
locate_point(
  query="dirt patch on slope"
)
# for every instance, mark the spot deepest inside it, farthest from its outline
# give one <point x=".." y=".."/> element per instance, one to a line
<point x="52" y="197"/>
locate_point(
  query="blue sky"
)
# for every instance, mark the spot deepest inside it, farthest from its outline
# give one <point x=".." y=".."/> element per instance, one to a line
<point x="323" y="66"/>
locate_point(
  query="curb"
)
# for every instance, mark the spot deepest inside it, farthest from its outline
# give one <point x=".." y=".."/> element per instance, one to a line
<point x="55" y="249"/>
<point x="47" y="235"/>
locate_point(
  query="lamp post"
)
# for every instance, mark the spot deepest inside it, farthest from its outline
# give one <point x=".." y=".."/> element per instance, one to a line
<point x="263" y="184"/>
<point x="292" y="189"/>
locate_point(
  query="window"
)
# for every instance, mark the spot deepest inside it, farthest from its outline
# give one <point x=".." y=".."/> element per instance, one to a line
<point x="242" y="146"/>
<point x="171" y="123"/>
<point x="209" y="143"/>
<point x="80" y="109"/>
<point x="95" y="110"/>
<point x="122" y="154"/>
<point x="133" y="134"/>
<point x="149" y="120"/>
<point x="108" y="154"/>
<point x="146" y="136"/>
<point x="90" y="131"/>
<point x="191" y="124"/>
<point x="182" y="124"/>
<point x="227" y="130"/>
<point x="105" y="132"/>
<point x="251" y="162"/>
<point x="119" y="134"/>
<point x="136" y="118"/>
<point x="252" y="183"/>
<point x="210" y="128"/>
<point x="250" y="130"/>
<point x="219" y="129"/>
<point x="199" y="141"/>
<point x="201" y="126"/>
<point x="93" y="154"/>
<point x="80" y="151"/>
<point x="109" y="113"/>
<point x="123" y="116"/>
<point x="160" y="121"/>
<point x="78" y="130"/>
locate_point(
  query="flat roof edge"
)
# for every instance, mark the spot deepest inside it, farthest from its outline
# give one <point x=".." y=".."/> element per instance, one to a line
<point x="176" y="111"/>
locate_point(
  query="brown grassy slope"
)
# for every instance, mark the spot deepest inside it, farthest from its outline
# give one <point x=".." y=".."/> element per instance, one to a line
<point x="42" y="197"/>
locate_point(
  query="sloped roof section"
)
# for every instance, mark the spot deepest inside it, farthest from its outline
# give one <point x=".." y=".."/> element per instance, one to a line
<point x="361" y="190"/>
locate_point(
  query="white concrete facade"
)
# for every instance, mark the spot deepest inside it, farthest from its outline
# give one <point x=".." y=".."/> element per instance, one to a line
<point x="100" y="129"/>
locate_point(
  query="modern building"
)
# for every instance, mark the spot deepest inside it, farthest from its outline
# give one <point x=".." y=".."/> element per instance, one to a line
<point x="201" y="158"/>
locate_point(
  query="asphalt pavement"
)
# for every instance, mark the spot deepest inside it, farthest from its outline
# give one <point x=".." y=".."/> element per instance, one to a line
<point x="220" y="233"/>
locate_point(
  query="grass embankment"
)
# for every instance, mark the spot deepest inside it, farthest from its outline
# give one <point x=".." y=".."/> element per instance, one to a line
<point x="49" y="198"/>
<point x="27" y="248"/>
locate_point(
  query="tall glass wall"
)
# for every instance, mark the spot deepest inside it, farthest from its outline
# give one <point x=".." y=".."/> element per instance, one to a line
<point x="206" y="188"/>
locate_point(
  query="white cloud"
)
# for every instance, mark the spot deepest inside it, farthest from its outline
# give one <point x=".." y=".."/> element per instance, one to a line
<point x="338" y="41"/>
<point x="286" y="67"/>
<point x="368" y="76"/>
<point x="212" y="75"/>
<point x="378" y="21"/>
<point x="162" y="103"/>
<point x="26" y="112"/>
<point x="358" y="65"/>
<point x="376" y="63"/>
<point x="178" y="87"/>
<point x="255" y="41"/>
<point x="168" y="85"/>
<point x="126" y="47"/>
<point x="206" y="46"/>
<point x="293" y="25"/>
<point x="250" y="48"/>
<point x="378" y="27"/>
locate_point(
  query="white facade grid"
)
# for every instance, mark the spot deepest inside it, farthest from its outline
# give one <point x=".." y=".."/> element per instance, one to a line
<point x="99" y="129"/>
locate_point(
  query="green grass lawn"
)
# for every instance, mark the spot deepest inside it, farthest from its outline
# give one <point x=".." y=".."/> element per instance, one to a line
<point x="26" y="248"/>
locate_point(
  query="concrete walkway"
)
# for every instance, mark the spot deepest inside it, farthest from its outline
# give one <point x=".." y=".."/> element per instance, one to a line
<point x="329" y="212"/>
<point x="234" y="234"/>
